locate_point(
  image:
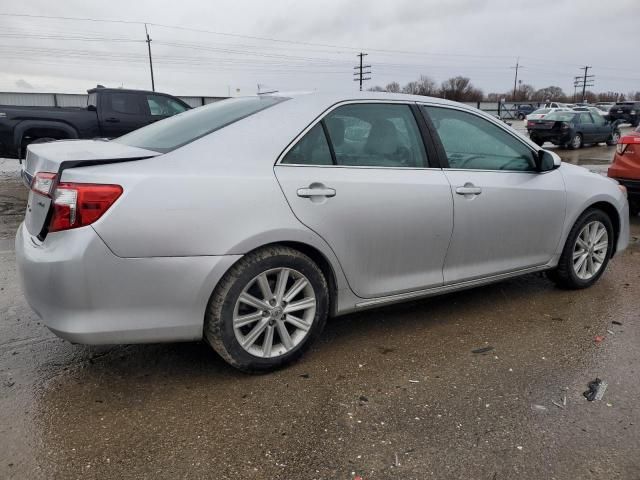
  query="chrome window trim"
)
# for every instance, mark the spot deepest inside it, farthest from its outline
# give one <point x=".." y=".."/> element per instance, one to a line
<point x="326" y="112"/>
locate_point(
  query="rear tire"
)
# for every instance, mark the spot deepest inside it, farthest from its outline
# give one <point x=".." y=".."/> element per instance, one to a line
<point x="520" y="116"/>
<point x="582" y="246"/>
<point x="250" y="336"/>
<point x="576" y="142"/>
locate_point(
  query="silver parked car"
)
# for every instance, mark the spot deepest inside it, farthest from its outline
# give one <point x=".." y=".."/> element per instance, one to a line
<point x="248" y="222"/>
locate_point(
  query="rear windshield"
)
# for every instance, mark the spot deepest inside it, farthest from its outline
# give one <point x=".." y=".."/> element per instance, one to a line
<point x="560" y="116"/>
<point x="176" y="131"/>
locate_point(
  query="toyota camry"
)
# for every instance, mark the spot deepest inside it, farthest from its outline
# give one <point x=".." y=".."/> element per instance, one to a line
<point x="248" y="222"/>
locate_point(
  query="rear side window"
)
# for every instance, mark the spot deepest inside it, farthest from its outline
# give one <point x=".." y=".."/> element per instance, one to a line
<point x="312" y="149"/>
<point x="126" y="103"/>
<point x="585" y="118"/>
<point x="472" y="142"/>
<point x="173" y="132"/>
<point x="363" y="135"/>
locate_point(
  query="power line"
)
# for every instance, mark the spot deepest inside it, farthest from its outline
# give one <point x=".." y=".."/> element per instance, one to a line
<point x="515" y="80"/>
<point x="586" y="79"/>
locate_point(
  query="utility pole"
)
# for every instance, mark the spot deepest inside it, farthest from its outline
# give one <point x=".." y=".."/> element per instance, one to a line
<point x="515" y="80"/>
<point x="587" y="80"/>
<point x="360" y="74"/>
<point x="153" y="85"/>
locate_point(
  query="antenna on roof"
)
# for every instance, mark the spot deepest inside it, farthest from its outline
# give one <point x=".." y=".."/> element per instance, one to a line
<point x="266" y="92"/>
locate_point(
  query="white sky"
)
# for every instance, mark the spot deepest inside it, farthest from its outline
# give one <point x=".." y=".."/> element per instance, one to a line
<point x="480" y="39"/>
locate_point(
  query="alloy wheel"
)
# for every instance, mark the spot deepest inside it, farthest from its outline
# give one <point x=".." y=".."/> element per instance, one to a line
<point x="274" y="312"/>
<point x="590" y="250"/>
<point x="576" y="142"/>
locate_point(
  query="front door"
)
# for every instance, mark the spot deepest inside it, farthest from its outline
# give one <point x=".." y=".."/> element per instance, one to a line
<point x="361" y="180"/>
<point x="508" y="216"/>
<point x="121" y="112"/>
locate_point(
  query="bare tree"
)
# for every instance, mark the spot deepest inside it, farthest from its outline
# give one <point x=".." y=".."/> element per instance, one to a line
<point x="427" y="86"/>
<point x="460" y="89"/>
<point x="393" y="87"/>
<point x="550" y="93"/>
<point x="412" y="88"/>
<point x="377" y="88"/>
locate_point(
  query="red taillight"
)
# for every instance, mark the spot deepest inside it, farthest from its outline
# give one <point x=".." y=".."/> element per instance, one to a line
<point x="625" y="141"/>
<point x="79" y="204"/>
<point x="43" y="183"/>
<point x="529" y="123"/>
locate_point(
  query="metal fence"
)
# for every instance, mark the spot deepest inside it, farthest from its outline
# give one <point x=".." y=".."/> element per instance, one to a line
<point x="32" y="99"/>
<point x="504" y="110"/>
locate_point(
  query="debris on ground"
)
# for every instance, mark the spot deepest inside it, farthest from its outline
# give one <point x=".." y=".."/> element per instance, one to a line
<point x="414" y="381"/>
<point x="596" y="390"/>
<point x="598" y="339"/>
<point x="9" y="383"/>
<point x="482" y="350"/>
<point x="539" y="408"/>
<point x="362" y="398"/>
<point x="559" y="405"/>
<point x="304" y="375"/>
<point x="610" y="332"/>
<point x="615" y="322"/>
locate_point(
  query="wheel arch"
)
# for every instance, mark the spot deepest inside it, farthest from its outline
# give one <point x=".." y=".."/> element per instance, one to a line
<point x="614" y="215"/>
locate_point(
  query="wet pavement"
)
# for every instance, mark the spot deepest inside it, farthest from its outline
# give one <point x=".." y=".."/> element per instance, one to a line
<point x="389" y="393"/>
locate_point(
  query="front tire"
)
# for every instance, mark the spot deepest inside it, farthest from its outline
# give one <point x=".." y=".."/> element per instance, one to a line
<point x="586" y="252"/>
<point x="267" y="309"/>
<point x="536" y="140"/>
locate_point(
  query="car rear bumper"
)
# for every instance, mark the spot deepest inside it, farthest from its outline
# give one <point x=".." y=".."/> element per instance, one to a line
<point x="86" y="294"/>
<point x="551" y="136"/>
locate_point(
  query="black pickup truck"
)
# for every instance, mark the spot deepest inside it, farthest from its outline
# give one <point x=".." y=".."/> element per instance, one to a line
<point x="110" y="113"/>
<point x="627" y="112"/>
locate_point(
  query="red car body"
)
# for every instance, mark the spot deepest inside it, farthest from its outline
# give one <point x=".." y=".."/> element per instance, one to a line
<point x="626" y="168"/>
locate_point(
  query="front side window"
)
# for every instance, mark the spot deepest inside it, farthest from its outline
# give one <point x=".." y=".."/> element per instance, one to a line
<point x="598" y="119"/>
<point x="472" y="142"/>
<point x="173" y="132"/>
<point x="162" y="106"/>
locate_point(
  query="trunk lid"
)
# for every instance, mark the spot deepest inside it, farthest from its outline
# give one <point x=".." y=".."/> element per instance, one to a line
<point x="54" y="157"/>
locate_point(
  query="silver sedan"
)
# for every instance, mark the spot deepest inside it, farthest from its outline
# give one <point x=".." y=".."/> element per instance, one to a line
<point x="248" y="222"/>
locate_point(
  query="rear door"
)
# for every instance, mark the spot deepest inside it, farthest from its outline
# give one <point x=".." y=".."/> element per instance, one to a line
<point x="121" y="112"/>
<point x="602" y="127"/>
<point x="588" y="127"/>
<point x="508" y="217"/>
<point x="362" y="179"/>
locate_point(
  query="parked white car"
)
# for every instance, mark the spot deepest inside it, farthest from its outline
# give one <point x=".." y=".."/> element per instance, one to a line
<point x="542" y="112"/>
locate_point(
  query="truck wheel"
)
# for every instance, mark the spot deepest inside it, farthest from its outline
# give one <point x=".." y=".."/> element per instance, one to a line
<point x="576" y="142"/>
<point x="267" y="309"/>
<point x="520" y="116"/>
<point x="586" y="251"/>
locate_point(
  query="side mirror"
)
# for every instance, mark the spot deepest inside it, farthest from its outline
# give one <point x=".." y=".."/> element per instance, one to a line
<point x="546" y="160"/>
<point x="91" y="108"/>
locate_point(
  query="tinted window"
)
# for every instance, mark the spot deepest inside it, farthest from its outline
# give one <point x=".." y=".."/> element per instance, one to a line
<point x="173" y="132"/>
<point x="598" y="119"/>
<point x="312" y="149"/>
<point x="159" y="105"/>
<point x="472" y="142"/>
<point x="125" y="103"/>
<point x="376" y="135"/>
<point x="585" y="118"/>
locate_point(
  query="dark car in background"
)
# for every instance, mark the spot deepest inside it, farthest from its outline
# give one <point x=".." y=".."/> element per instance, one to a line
<point x="573" y="129"/>
<point x="110" y="113"/>
<point x="524" y="109"/>
<point x="626" y="112"/>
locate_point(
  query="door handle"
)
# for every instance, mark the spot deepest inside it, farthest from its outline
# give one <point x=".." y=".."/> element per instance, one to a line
<point x="316" y="191"/>
<point x="112" y="120"/>
<point x="469" y="189"/>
